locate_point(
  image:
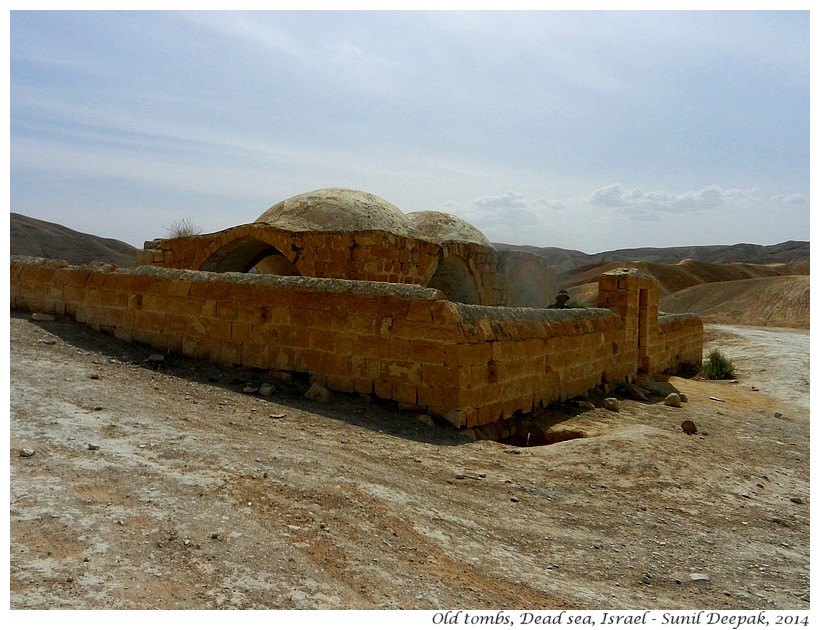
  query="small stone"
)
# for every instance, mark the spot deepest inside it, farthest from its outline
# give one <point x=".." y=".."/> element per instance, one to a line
<point x="635" y="392"/>
<point x="683" y="397"/>
<point x="672" y="400"/>
<point x="585" y="404"/>
<point x="514" y="499"/>
<point x="251" y="389"/>
<point x="319" y="394"/>
<point x="281" y="375"/>
<point x="612" y="404"/>
<point x="699" y="577"/>
<point x="777" y="414"/>
<point x="94" y="377"/>
<point x="688" y="427"/>
<point x="425" y="419"/>
<point x="156" y="358"/>
<point x="26" y="452"/>
<point x="796" y="500"/>
<point x="42" y="317"/>
<point x="93" y="447"/>
<point x="276" y="416"/>
<point x="266" y="389"/>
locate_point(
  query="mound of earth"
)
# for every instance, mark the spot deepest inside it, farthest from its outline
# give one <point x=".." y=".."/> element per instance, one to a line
<point x="687" y="273"/>
<point x="777" y="302"/>
<point x="140" y="483"/>
<point x="33" y="237"/>
<point x="565" y="260"/>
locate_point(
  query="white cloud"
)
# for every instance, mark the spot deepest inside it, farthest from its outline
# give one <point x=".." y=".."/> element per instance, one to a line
<point x="506" y="217"/>
<point x="791" y="200"/>
<point x="640" y="202"/>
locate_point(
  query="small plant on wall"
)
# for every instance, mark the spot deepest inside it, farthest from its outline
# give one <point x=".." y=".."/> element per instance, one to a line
<point x="180" y="228"/>
<point x="717" y="366"/>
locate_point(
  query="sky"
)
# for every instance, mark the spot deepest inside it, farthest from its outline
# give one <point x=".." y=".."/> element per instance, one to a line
<point x="585" y="130"/>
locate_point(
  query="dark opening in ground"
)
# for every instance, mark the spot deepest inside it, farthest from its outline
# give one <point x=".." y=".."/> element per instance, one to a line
<point x="541" y="438"/>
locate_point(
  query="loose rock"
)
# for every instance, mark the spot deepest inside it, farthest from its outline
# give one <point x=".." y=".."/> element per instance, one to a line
<point x="319" y="394"/>
<point x="585" y="404"/>
<point x="612" y="404"/>
<point x="688" y="427"/>
<point x="266" y="389"/>
<point x="251" y="389"/>
<point x="672" y="400"/>
<point x="93" y="447"/>
<point x="699" y="577"/>
<point x="635" y="392"/>
<point x="26" y="452"/>
<point x="796" y="500"/>
<point x="42" y="317"/>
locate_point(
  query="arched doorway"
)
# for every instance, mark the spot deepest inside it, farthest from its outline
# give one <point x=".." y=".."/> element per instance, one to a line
<point x="250" y="255"/>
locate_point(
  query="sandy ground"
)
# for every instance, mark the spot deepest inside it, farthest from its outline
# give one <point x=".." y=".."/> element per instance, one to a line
<point x="164" y="485"/>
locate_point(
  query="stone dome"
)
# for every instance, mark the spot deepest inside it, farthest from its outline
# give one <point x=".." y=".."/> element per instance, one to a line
<point x="440" y="227"/>
<point x="336" y="209"/>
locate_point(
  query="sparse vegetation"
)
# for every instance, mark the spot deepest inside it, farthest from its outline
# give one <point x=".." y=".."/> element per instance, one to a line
<point x="717" y="366"/>
<point x="180" y="228"/>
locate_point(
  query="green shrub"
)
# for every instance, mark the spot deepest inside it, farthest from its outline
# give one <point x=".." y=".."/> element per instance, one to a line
<point x="717" y="366"/>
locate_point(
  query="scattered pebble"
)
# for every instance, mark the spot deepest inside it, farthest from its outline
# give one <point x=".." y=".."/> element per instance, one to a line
<point x="514" y="499"/>
<point x="612" y="404"/>
<point x="688" y="427"/>
<point x="699" y="577"/>
<point x="93" y="447"/>
<point x="42" y="317"/>
<point x="672" y="400"/>
<point x="797" y="500"/>
<point x="26" y="452"/>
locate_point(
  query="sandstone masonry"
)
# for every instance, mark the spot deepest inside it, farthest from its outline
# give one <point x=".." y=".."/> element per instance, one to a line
<point x="470" y="364"/>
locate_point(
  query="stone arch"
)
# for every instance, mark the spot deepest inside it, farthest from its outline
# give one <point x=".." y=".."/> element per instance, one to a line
<point x="246" y="253"/>
<point x="454" y="278"/>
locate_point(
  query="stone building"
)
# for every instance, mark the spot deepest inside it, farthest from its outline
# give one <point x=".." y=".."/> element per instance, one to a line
<point x="415" y="308"/>
<point x="354" y="235"/>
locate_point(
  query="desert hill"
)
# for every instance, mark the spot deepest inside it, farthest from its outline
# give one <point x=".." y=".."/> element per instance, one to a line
<point x="774" y="294"/>
<point x="563" y="260"/>
<point x="33" y="237"/>
<point x="775" y="301"/>
<point x="686" y="273"/>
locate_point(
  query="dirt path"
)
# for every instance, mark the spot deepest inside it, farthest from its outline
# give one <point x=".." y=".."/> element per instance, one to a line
<point x="776" y="360"/>
<point x="163" y="485"/>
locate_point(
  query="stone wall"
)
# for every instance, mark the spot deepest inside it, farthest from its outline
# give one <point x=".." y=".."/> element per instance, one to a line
<point x="680" y="343"/>
<point x="466" y="272"/>
<point x="469" y="364"/>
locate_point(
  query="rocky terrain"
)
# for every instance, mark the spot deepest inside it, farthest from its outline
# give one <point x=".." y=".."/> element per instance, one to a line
<point x="140" y="482"/>
<point x="156" y="482"/>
